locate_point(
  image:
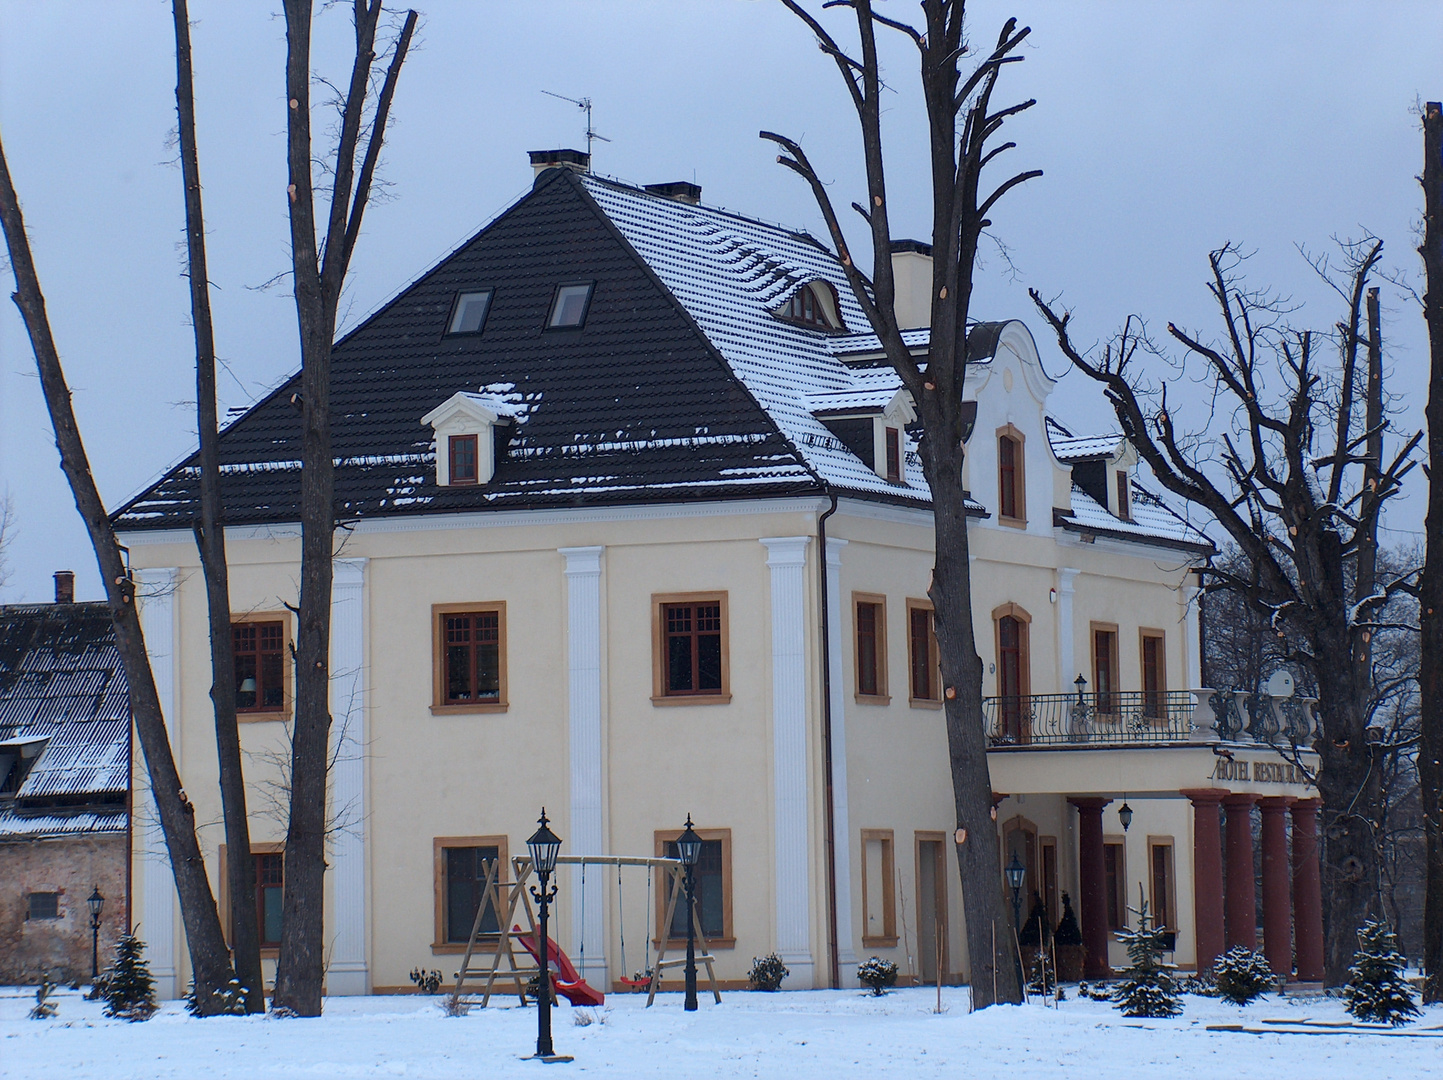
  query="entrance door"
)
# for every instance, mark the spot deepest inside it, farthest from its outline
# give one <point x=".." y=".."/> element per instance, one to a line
<point x="931" y="905"/>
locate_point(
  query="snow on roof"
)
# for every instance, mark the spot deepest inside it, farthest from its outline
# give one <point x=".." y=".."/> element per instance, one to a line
<point x="17" y="823"/>
<point x="731" y="273"/>
<point x="1067" y="447"/>
<point x="864" y="342"/>
<point x="1151" y="520"/>
<point x="860" y="400"/>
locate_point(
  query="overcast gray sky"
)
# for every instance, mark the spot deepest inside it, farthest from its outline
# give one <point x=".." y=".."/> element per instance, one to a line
<point x="1163" y="130"/>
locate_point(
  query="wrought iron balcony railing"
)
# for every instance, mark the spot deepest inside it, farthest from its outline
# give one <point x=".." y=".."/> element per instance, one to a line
<point x="1123" y="717"/>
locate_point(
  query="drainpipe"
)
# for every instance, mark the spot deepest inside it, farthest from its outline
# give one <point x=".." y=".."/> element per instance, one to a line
<point x="831" y="841"/>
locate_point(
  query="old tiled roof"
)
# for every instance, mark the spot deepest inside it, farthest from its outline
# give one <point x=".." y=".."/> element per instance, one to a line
<point x="1152" y="521"/>
<point x="62" y="687"/>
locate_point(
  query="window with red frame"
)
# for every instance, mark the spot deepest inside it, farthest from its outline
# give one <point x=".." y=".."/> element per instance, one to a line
<point x="260" y="653"/>
<point x="693" y="647"/>
<point x="472" y="657"/>
<point x="463" y="459"/>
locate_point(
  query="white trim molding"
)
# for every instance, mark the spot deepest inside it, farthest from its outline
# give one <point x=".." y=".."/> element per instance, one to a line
<point x="787" y="560"/>
<point x="1066" y="639"/>
<point x="348" y="972"/>
<point x="847" y="934"/>
<point x="156" y="589"/>
<point x="583" y="662"/>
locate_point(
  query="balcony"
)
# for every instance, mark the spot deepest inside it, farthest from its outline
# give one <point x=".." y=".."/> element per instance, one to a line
<point x="1123" y="718"/>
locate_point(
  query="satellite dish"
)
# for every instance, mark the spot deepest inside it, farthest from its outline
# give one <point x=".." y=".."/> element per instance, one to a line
<point x="1280" y="683"/>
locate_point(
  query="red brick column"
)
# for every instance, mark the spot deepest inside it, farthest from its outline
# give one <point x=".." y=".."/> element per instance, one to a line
<point x="1277" y="899"/>
<point x="1207" y="873"/>
<point x="1307" y="891"/>
<point x="1242" y="902"/>
<point x="1092" y="867"/>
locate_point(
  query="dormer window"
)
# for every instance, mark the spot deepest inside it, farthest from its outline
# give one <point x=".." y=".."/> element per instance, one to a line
<point x="894" y="455"/>
<point x="568" y="309"/>
<point x="462" y="452"/>
<point x="468" y="312"/>
<point x="813" y="305"/>
<point x="1124" y="496"/>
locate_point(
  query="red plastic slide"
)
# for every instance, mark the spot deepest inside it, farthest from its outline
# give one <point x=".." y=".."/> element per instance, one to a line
<point x="567" y="980"/>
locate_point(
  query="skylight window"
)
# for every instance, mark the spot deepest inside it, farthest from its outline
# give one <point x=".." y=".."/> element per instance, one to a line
<point x="468" y="313"/>
<point x="568" y="310"/>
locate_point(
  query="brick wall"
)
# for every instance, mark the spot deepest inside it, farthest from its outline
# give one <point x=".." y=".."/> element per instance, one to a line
<point x="71" y="866"/>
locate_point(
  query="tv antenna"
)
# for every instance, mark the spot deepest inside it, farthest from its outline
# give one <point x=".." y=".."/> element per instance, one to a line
<point x="585" y="105"/>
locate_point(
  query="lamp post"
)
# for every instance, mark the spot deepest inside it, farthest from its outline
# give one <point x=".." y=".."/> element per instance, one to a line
<point x="688" y="846"/>
<point x="545" y="847"/>
<point x="96" y="903"/>
<point x="1081" y="685"/>
<point x="1016" y="872"/>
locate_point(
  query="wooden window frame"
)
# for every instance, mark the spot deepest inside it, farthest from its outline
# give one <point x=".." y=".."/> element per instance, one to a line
<point x="1020" y="614"/>
<point x="659" y="694"/>
<point x="944" y="899"/>
<point x="933" y="663"/>
<point x="1144" y="634"/>
<point x="892" y="451"/>
<point x="1123" y="495"/>
<point x="451" y="478"/>
<point x="728" y="940"/>
<point x="1114" y="665"/>
<point x="879" y="633"/>
<point x="439" y="705"/>
<point x="1051" y="890"/>
<point x="887" y="939"/>
<point x="1119" y="912"/>
<point x="1019" y="477"/>
<point x="439" y="945"/>
<point x="253" y="716"/>
<point x="1168" y="918"/>
<point x="258" y="847"/>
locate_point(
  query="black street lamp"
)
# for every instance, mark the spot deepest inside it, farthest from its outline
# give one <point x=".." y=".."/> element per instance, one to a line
<point x="1124" y="814"/>
<point x="1016" y="873"/>
<point x="1081" y="685"/>
<point x="96" y="903"/>
<point x="688" y="846"/>
<point x="545" y="846"/>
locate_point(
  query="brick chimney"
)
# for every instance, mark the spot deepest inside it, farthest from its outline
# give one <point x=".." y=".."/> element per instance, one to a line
<point x="65" y="586"/>
<point x="575" y="160"/>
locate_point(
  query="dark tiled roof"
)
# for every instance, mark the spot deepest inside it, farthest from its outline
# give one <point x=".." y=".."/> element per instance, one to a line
<point x="62" y="684"/>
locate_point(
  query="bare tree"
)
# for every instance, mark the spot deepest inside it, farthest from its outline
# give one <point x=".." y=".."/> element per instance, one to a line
<point x="1299" y="515"/>
<point x="210" y="541"/>
<point x="7" y="533"/>
<point x="210" y="961"/>
<point x="319" y="271"/>
<point x="1430" y="753"/>
<point x="962" y="121"/>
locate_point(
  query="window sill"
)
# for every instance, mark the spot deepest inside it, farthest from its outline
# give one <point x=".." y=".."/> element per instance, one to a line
<point x="1012" y="522"/>
<point x="270" y="952"/>
<point x="886" y="942"/>
<point x="484" y="944"/>
<point x="712" y="943"/>
<point x="873" y="699"/>
<point x="693" y="699"/>
<point x="924" y="703"/>
<point x="478" y="707"/>
<point x="261" y="715"/>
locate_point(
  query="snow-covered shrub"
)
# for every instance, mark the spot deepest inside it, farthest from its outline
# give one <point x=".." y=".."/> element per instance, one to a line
<point x="1242" y="975"/>
<point x="129" y="989"/>
<point x="877" y="974"/>
<point x="44" y="1008"/>
<point x="1202" y="984"/>
<point x="454" y="1005"/>
<point x="427" y="982"/>
<point x="1041" y="973"/>
<point x="767" y="972"/>
<point x="1148" y="987"/>
<point x="230" y="1000"/>
<point x="1376" y="989"/>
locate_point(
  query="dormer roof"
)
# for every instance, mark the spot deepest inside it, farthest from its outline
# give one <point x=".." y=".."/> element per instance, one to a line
<point x="479" y="408"/>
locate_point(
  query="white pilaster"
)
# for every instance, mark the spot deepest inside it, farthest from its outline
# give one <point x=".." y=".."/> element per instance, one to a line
<point x="158" y="902"/>
<point x="841" y="830"/>
<point x="1191" y="636"/>
<point x="787" y="559"/>
<point x="583" y="662"/>
<point x="348" y="972"/>
<point x="1066" y="639"/>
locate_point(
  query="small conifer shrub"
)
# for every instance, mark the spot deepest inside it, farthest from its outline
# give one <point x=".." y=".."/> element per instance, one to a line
<point x="229" y="1000"/>
<point x="1041" y="973"/>
<point x="1148" y="987"/>
<point x="877" y="974"/>
<point x="1376" y="989"/>
<point x="767" y="972"/>
<point x="129" y="989"/>
<point x="1241" y="975"/>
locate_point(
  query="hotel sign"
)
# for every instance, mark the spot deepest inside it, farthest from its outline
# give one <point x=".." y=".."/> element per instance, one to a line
<point x="1259" y="772"/>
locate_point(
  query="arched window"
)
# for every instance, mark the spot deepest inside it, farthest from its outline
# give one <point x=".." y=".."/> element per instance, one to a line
<point x="1011" y="487"/>
<point x="814" y="305"/>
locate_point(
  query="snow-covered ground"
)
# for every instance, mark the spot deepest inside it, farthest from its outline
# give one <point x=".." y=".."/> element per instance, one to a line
<point x="820" y="1035"/>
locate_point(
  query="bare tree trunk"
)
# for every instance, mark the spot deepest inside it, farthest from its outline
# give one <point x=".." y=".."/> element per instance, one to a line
<point x="210" y="541"/>
<point x="318" y="277"/>
<point x="210" y="963"/>
<point x="959" y="215"/>
<point x="1430" y="752"/>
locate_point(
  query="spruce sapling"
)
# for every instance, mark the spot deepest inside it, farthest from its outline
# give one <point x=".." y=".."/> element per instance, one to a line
<point x="1376" y="989"/>
<point x="129" y="989"/>
<point x="1148" y="987"/>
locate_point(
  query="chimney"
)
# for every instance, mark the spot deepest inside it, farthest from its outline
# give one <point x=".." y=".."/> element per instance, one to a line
<point x="680" y="190"/>
<point x="575" y="160"/>
<point x="65" y="586"/>
<point x="912" y="273"/>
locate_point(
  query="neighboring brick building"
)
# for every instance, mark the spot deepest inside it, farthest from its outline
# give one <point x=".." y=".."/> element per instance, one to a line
<point x="64" y="786"/>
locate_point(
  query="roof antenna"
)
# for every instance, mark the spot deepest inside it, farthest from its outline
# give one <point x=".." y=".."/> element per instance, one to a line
<point x="591" y="134"/>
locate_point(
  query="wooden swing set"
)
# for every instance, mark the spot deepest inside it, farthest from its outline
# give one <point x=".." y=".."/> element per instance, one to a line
<point x="511" y="900"/>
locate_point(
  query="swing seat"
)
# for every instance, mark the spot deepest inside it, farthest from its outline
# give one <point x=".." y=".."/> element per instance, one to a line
<point x="636" y="983"/>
